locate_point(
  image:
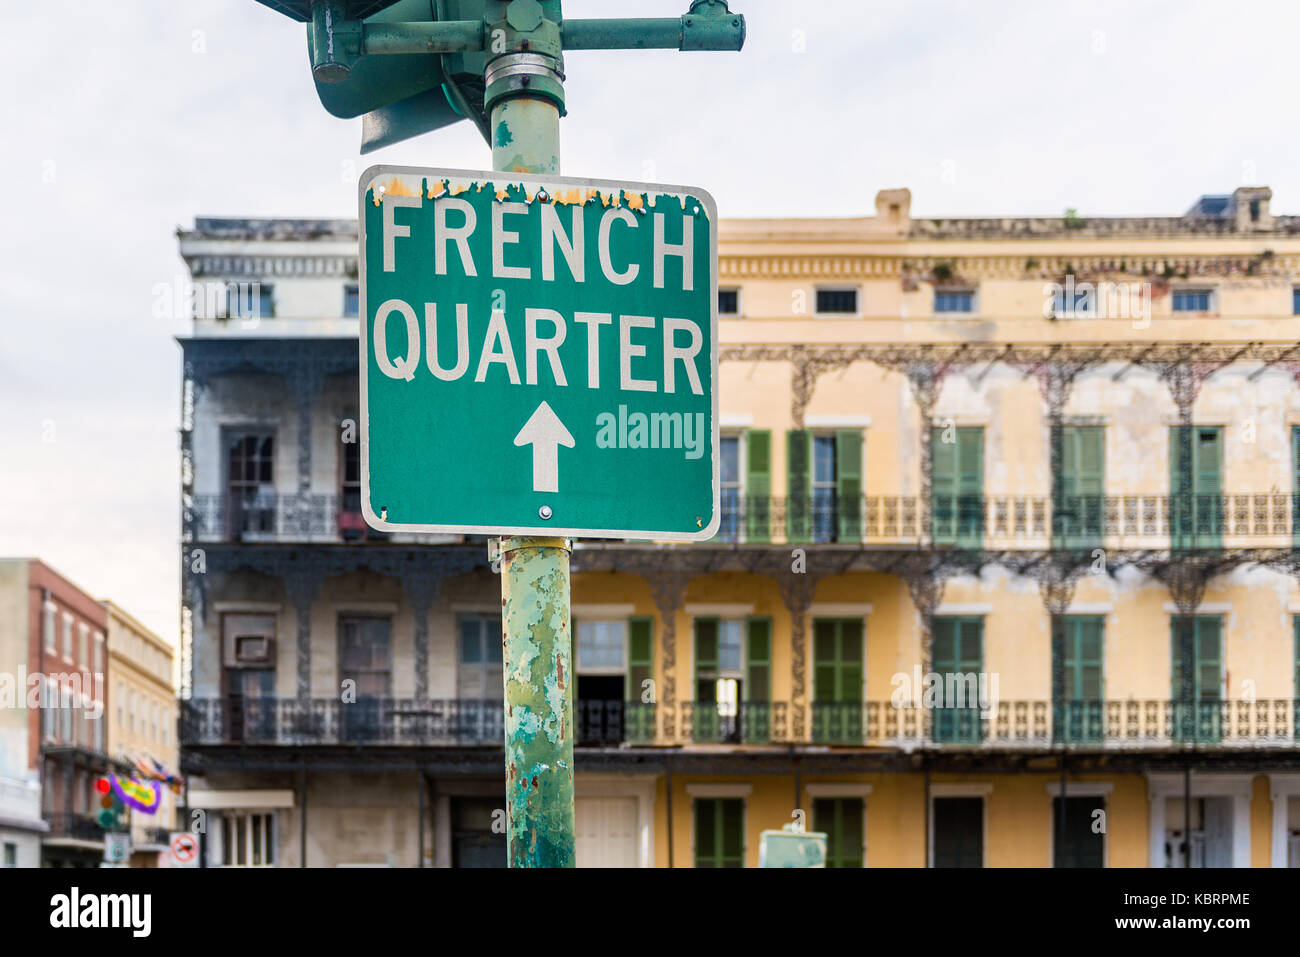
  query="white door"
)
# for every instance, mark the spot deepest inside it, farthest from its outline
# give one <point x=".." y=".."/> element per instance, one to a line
<point x="606" y="832"/>
<point x="1218" y="832"/>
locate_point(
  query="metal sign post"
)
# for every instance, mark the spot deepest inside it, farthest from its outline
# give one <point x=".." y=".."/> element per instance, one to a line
<point x="520" y="45"/>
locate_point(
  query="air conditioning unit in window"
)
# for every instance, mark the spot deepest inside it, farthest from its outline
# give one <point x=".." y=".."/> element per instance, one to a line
<point x="253" y="649"/>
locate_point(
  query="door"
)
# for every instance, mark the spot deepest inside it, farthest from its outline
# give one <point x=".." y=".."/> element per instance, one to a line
<point x="250" y="704"/>
<point x="1079" y="492"/>
<point x="474" y="841"/>
<point x="957" y="486"/>
<point x="837" y="680"/>
<point x="719" y="832"/>
<point x="1077" y="649"/>
<point x="1196" y="487"/>
<point x="1197" y="669"/>
<point x="958" y="832"/>
<point x="251" y="484"/>
<point x="840" y="819"/>
<point x="601" y="693"/>
<point x="365" y="660"/>
<point x="606" y="833"/>
<point x="1218" y="831"/>
<point x="957" y="658"/>
<point x="1084" y="844"/>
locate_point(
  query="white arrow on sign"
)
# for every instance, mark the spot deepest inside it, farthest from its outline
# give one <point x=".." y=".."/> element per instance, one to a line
<point x="545" y="433"/>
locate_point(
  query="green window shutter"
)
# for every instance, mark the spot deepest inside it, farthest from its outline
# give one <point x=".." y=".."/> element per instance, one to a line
<point x="707" y="844"/>
<point x="758" y="663"/>
<point x="706" y="658"/>
<point x="1182" y="634"/>
<point x="957" y="486"/>
<point x="848" y="463"/>
<point x="798" y="508"/>
<point x="850" y="684"/>
<point x="824" y="655"/>
<point x="1059" y="686"/>
<point x="758" y="484"/>
<point x="1079" y="498"/>
<point x="719" y="832"/>
<point x="943" y="485"/>
<point x="732" y="813"/>
<point x="1209" y="658"/>
<point x="840" y="819"/>
<point x="640" y="655"/>
<point x="1295" y="493"/>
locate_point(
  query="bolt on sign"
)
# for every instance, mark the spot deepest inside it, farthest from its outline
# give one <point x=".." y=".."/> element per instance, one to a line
<point x="539" y="355"/>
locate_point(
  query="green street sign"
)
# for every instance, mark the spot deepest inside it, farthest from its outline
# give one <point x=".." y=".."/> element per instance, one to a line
<point x="539" y="355"/>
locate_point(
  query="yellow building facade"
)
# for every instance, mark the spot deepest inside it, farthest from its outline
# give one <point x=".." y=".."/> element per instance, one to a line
<point x="1006" y="574"/>
<point x="142" y="717"/>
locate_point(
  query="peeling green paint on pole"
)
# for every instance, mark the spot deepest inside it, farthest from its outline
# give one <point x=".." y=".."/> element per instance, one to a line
<point x="538" y="676"/>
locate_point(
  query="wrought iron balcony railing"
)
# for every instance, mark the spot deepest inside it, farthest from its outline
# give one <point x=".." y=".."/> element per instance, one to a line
<point x="1138" y="724"/>
<point x="81" y="827"/>
<point x="975" y="521"/>
<point x="996" y="521"/>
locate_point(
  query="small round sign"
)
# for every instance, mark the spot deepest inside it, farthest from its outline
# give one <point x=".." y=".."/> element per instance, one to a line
<point x="185" y="847"/>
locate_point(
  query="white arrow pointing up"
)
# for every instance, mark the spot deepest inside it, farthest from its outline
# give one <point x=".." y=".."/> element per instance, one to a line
<point x="545" y="433"/>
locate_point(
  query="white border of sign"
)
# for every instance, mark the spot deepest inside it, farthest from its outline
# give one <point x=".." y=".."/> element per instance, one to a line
<point x="550" y="183"/>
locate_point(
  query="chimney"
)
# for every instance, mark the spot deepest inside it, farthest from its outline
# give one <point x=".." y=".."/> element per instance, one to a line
<point x="1250" y="208"/>
<point x="894" y="209"/>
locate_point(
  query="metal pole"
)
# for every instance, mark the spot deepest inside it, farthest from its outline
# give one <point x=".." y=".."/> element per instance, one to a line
<point x="668" y="792"/>
<point x="1060" y="817"/>
<point x="419" y="816"/>
<point x="1187" y="814"/>
<point x="302" y="819"/>
<point x="927" y="813"/>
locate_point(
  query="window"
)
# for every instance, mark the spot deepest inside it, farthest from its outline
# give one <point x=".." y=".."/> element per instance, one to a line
<point x="83" y="646"/>
<point x="958" y="833"/>
<point x="1078" y="492"/>
<point x="733" y="487"/>
<point x="365" y="655"/>
<point x="958" y="660"/>
<point x="67" y="636"/>
<point x="1077" y="658"/>
<point x="1196" y="486"/>
<point x="601" y="646"/>
<point x="351" y="300"/>
<point x="837" y="302"/>
<point x="729" y="302"/>
<point x="732" y="679"/>
<point x="250" y="472"/>
<point x="1295" y="300"/>
<point x="99" y="653"/>
<point x="1197" y="673"/>
<point x="479" y="678"/>
<point x="250" y="300"/>
<point x="47" y="626"/>
<point x="1192" y="300"/>
<point x="50" y="711"/>
<point x="1073" y="303"/>
<point x="954" y="301"/>
<point x="474" y="840"/>
<point x="837" y="680"/>
<point x="719" y="832"/>
<point x="130" y="710"/>
<point x="365" y="658"/>
<point x="11" y="855"/>
<point x="248" y="840"/>
<point x="840" y="819"/>
<point x="65" y="716"/>
<point x="1084" y="844"/>
<point x="957" y="457"/>
<point x="825" y="481"/>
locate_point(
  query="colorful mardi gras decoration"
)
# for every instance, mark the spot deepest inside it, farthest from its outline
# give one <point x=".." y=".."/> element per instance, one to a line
<point x="141" y="795"/>
<point x="153" y="770"/>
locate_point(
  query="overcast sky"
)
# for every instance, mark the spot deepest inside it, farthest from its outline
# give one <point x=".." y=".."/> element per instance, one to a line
<point x="124" y="120"/>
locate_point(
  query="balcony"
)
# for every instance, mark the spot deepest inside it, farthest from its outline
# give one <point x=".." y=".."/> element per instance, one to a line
<point x="329" y="721"/>
<point x="962" y="521"/>
<point x="1150" y="724"/>
<point x="270" y="516"/>
<point x="77" y="827"/>
<point x="1019" y="521"/>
